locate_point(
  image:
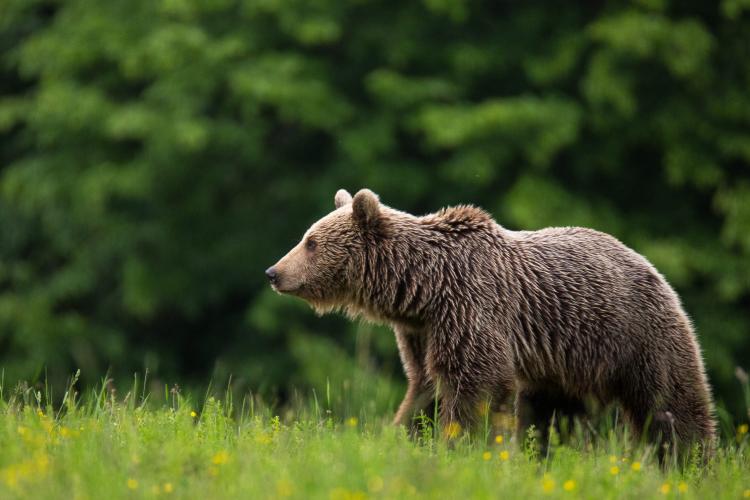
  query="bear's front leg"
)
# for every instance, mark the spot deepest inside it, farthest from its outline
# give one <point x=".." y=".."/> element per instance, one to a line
<point x="470" y="365"/>
<point x="459" y="390"/>
<point x="419" y="394"/>
<point x="458" y="412"/>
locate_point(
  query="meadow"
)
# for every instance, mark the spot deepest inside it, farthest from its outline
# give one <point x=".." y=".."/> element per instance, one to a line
<point x="138" y="445"/>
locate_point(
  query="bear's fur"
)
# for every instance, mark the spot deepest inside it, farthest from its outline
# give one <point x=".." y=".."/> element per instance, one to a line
<point x="553" y="316"/>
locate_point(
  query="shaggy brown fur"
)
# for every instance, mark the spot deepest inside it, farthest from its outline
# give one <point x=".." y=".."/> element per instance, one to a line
<point x="479" y="311"/>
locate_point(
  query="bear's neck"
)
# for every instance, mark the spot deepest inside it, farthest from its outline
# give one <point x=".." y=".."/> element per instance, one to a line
<point x="409" y="274"/>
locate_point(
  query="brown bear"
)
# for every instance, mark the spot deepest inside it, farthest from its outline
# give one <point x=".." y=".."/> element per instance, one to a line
<point x="553" y="316"/>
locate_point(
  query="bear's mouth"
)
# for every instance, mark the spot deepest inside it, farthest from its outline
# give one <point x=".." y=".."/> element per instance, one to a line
<point x="286" y="290"/>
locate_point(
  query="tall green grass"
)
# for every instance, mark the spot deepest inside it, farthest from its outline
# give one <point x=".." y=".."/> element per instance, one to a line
<point x="148" y="445"/>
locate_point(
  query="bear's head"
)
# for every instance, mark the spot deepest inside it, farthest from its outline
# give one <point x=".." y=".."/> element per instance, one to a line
<point x="324" y="268"/>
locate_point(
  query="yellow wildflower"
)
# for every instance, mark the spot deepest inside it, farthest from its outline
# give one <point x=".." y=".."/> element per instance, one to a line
<point x="132" y="484"/>
<point x="453" y="430"/>
<point x="42" y="461"/>
<point x="13" y="474"/>
<point x="746" y="494"/>
<point x="636" y="466"/>
<point x="614" y="470"/>
<point x="168" y="488"/>
<point x="284" y="488"/>
<point x="504" y="455"/>
<point x="220" y="458"/>
<point x="352" y="422"/>
<point x="665" y="488"/>
<point x="569" y="485"/>
<point x="499" y="439"/>
<point x="486" y="455"/>
<point x="548" y="484"/>
<point x="742" y="429"/>
<point x="682" y="487"/>
<point x="193" y="414"/>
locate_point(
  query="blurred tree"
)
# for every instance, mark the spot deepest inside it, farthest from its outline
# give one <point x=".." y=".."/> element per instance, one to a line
<point x="156" y="156"/>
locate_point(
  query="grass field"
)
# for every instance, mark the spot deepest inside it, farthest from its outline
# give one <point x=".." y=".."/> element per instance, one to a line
<point x="103" y="446"/>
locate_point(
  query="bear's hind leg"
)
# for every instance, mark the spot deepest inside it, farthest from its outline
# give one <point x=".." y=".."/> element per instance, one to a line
<point x="673" y="426"/>
<point x="418" y="399"/>
<point x="670" y="407"/>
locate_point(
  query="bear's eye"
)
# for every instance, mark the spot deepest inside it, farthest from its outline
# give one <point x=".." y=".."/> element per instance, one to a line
<point x="311" y="244"/>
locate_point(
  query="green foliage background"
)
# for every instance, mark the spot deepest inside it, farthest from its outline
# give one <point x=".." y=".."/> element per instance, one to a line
<point x="157" y="156"/>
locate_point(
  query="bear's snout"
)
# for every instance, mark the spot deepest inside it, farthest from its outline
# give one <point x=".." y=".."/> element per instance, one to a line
<point x="281" y="279"/>
<point x="272" y="275"/>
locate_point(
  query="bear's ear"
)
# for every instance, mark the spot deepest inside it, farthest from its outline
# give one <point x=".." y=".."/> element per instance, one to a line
<point x="365" y="208"/>
<point x="342" y="198"/>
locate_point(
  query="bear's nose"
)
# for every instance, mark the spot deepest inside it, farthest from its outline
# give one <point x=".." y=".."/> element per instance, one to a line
<point x="271" y="274"/>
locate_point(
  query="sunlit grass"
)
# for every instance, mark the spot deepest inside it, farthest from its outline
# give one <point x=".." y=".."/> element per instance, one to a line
<point x="131" y="447"/>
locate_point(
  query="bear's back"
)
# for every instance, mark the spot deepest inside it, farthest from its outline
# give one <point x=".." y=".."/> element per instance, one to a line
<point x="593" y="298"/>
<point x="584" y="253"/>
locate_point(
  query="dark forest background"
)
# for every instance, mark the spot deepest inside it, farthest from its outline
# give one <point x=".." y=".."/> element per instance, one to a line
<point x="157" y="155"/>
